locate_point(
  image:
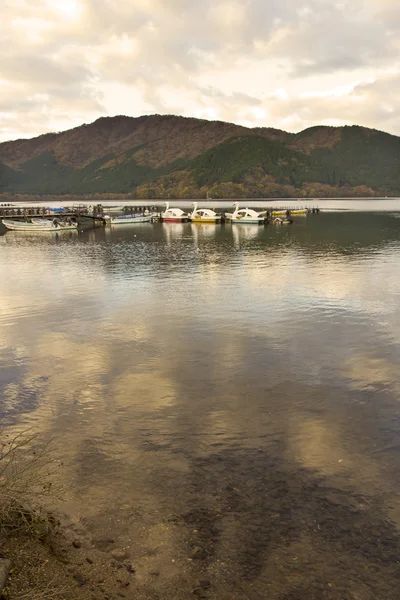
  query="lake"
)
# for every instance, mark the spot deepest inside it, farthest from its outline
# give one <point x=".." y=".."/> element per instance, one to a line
<point x="225" y="398"/>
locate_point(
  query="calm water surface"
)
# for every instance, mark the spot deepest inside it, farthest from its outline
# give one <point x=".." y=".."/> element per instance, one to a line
<point x="225" y="399"/>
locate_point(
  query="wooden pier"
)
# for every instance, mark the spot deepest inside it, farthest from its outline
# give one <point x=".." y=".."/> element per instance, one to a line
<point x="76" y="212"/>
<point x="84" y="213"/>
<point x="37" y="212"/>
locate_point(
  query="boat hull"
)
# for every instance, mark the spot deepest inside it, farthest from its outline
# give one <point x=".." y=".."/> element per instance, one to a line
<point x="174" y="219"/>
<point x="248" y="221"/>
<point x="245" y="215"/>
<point x="280" y="221"/>
<point x="44" y="222"/>
<point x="282" y="213"/>
<point x="129" y="220"/>
<point x="114" y="209"/>
<point x="206" y="220"/>
<point x="21" y="226"/>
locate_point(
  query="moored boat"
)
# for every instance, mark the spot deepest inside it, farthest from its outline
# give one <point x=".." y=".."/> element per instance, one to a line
<point x="125" y="219"/>
<point x="203" y="215"/>
<point x="55" y="210"/>
<point x="302" y="212"/>
<point x="245" y="215"/>
<point x="173" y="214"/>
<point x="50" y="226"/>
<point x="46" y="222"/>
<point x="280" y="221"/>
<point x="114" y="209"/>
<point x="283" y="213"/>
<point x="52" y="222"/>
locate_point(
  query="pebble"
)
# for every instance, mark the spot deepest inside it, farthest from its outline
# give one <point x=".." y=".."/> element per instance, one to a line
<point x="103" y="543"/>
<point x="129" y="567"/>
<point x="80" y="578"/>
<point x="77" y="544"/>
<point x="199" y="592"/>
<point x="198" y="553"/>
<point x="120" y="554"/>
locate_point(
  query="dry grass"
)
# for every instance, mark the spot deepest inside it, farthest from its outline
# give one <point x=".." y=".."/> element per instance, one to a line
<point x="29" y="491"/>
<point x="28" y="476"/>
<point x="48" y="593"/>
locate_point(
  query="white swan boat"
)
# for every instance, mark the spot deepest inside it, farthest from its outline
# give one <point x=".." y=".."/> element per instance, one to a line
<point x="203" y="215"/>
<point x="49" y="226"/>
<point x="173" y="214"/>
<point x="245" y="215"/>
<point x="125" y="219"/>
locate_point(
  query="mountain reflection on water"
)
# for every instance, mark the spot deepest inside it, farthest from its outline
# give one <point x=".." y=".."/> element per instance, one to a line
<point x="225" y="397"/>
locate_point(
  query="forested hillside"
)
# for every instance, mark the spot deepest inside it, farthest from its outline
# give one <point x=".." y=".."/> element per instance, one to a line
<point x="174" y="157"/>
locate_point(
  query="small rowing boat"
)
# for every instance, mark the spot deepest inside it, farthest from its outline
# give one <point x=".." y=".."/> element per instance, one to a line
<point x="50" y="226"/>
<point x="280" y="221"/>
<point x="40" y="221"/>
<point x="125" y="219"/>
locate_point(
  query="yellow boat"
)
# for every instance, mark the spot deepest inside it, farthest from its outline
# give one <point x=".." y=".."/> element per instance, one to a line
<point x="205" y="219"/>
<point x="282" y="213"/>
<point x="300" y="211"/>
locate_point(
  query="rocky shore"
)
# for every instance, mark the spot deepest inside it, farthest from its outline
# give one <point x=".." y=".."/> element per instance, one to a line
<point x="63" y="565"/>
<point x="280" y="536"/>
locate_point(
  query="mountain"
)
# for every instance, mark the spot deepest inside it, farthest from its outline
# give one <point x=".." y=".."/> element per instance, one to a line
<point x="176" y="157"/>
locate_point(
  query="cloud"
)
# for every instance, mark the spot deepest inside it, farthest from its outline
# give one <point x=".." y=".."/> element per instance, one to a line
<point x="252" y="62"/>
<point x="373" y="104"/>
<point x="332" y="37"/>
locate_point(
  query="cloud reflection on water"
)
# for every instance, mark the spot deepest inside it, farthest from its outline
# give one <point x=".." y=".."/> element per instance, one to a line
<point x="148" y="352"/>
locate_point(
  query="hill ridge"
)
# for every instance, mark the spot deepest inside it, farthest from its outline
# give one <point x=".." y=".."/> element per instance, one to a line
<point x="172" y="156"/>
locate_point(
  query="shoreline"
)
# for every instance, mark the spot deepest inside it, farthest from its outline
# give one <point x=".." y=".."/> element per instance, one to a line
<point x="324" y="204"/>
<point x="295" y="521"/>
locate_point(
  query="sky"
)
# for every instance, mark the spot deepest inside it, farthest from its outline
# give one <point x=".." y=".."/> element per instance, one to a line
<point x="289" y="64"/>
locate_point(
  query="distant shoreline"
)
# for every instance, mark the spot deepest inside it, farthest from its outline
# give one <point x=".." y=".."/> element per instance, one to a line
<point x="67" y="200"/>
<point x="380" y="204"/>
